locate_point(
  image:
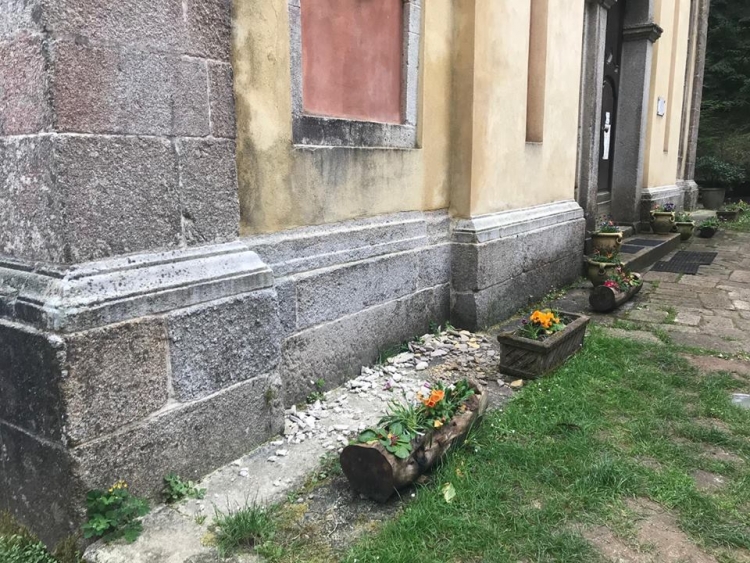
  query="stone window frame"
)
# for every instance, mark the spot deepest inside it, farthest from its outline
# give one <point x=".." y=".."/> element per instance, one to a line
<point x="311" y="130"/>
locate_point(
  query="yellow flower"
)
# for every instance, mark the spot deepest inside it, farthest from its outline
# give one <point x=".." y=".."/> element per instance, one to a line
<point x="438" y="423"/>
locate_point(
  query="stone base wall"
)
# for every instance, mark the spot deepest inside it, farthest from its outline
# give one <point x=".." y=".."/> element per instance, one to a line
<point x="182" y="361"/>
<point x="690" y="192"/>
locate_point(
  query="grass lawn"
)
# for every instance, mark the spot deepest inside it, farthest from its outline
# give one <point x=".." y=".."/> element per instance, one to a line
<point x="620" y="423"/>
<point x="741" y="225"/>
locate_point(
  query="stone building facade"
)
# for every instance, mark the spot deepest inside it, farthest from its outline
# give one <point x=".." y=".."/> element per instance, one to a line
<point x="207" y="205"/>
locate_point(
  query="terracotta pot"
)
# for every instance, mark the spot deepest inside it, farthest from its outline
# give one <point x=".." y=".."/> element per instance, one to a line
<point x="685" y="229"/>
<point x="713" y="198"/>
<point x="598" y="272"/>
<point x="606" y="242"/>
<point x="662" y="222"/>
<point x="707" y="232"/>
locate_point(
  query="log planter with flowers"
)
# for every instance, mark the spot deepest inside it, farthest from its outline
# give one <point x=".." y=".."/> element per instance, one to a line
<point x="543" y="343"/>
<point x="411" y="439"/>
<point x="619" y="288"/>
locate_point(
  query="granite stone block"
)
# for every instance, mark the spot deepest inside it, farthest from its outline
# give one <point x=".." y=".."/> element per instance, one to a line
<point x="217" y="345"/>
<point x="335" y="292"/>
<point x="208" y="190"/>
<point x="221" y="87"/>
<point x="30" y="212"/>
<point x="435" y="265"/>
<point x="107" y="90"/>
<point x="209" y="28"/>
<point x="190" y="440"/>
<point x="20" y="16"/>
<point x="39" y="486"/>
<point x="117" y="375"/>
<point x="24" y="104"/>
<point x="335" y="351"/>
<point x="31" y="371"/>
<point x="120" y="195"/>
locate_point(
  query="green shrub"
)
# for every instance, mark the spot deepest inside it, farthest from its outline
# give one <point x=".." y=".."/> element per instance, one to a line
<point x="114" y="514"/>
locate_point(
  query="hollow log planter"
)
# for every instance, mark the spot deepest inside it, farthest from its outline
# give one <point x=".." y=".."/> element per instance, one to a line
<point x="605" y="299"/>
<point x="377" y="473"/>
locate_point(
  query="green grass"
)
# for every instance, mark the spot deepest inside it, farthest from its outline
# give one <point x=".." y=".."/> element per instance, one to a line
<point x="567" y="452"/>
<point x="242" y="529"/>
<point x="742" y="224"/>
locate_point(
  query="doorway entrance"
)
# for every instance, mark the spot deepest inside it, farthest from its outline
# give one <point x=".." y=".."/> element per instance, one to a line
<point x="610" y="95"/>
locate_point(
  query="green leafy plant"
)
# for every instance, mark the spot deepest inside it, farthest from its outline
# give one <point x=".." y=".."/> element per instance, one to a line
<point x="114" y="514"/>
<point x="607" y="225"/>
<point x="318" y="394"/>
<point x="176" y="489"/>
<point x="242" y="529"/>
<point x="710" y="223"/>
<point x="393" y="439"/>
<point x="604" y="257"/>
<point x="541" y="324"/>
<point x="683" y="217"/>
<point x="712" y="171"/>
<point x="622" y="279"/>
<point x="19" y="549"/>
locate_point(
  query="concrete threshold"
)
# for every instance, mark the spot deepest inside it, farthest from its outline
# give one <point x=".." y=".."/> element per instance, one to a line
<point x="647" y="256"/>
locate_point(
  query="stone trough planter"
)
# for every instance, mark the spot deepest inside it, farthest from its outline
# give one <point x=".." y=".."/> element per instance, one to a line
<point x="605" y="299"/>
<point x="531" y="359"/>
<point x="732" y="215"/>
<point x="377" y="473"/>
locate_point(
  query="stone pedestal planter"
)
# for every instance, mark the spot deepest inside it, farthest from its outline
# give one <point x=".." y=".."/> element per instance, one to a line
<point x="713" y="198"/>
<point x="605" y="299"/>
<point x="598" y="272"/>
<point x="377" y="473"/>
<point x="606" y="242"/>
<point x="662" y="222"/>
<point x="685" y="229"/>
<point x="531" y="359"/>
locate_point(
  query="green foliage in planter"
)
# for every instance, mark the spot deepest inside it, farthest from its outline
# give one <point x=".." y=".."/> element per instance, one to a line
<point x="710" y="223"/>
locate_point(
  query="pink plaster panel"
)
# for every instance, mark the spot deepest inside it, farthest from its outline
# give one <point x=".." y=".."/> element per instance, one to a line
<point x="351" y="59"/>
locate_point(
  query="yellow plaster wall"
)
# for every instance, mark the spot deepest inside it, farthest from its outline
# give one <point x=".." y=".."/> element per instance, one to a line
<point x="281" y="186"/>
<point x="660" y="166"/>
<point x="507" y="172"/>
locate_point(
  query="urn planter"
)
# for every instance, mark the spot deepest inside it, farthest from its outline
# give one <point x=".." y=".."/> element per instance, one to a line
<point x="604" y="299"/>
<point x="713" y="198"/>
<point x="662" y="222"/>
<point x="606" y="242"/>
<point x="531" y="359"/>
<point x="685" y="229"/>
<point x="376" y="473"/>
<point x="598" y="272"/>
<point x="728" y="215"/>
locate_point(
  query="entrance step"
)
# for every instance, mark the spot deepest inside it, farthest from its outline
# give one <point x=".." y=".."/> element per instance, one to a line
<point x="644" y="250"/>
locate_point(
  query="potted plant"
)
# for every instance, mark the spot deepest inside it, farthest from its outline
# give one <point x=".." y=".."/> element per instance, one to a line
<point x="411" y="438"/>
<point x="729" y="212"/>
<point x="543" y="342"/>
<point x="618" y="288"/>
<point x="663" y="218"/>
<point x="708" y="227"/>
<point x="685" y="225"/>
<point x="600" y="266"/>
<point x="607" y="237"/>
<point x="715" y="176"/>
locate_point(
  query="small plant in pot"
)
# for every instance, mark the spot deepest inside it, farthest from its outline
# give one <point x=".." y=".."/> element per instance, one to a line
<point x="715" y="176"/>
<point x="600" y="265"/>
<point x="607" y="237"/>
<point x="708" y="227"/>
<point x="663" y="218"/>
<point x="685" y="225"/>
<point x="618" y="288"/>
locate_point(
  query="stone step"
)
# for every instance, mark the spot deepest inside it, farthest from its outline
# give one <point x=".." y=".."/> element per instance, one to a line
<point x="647" y="256"/>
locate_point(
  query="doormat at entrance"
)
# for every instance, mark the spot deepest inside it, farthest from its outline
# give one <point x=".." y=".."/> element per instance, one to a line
<point x="684" y="262"/>
<point x="645" y="242"/>
<point x="630" y="249"/>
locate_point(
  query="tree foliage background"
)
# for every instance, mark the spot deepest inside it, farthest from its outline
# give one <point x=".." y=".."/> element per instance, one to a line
<point x="725" y="115"/>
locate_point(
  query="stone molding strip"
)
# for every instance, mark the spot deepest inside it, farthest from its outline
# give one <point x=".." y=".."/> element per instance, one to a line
<point x="79" y="297"/>
<point x="650" y="31"/>
<point x="485" y="228"/>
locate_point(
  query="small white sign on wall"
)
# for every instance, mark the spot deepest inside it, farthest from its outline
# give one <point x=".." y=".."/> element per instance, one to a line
<point x="661" y="107"/>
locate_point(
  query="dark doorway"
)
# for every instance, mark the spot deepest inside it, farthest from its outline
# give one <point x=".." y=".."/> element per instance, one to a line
<point x="610" y="93"/>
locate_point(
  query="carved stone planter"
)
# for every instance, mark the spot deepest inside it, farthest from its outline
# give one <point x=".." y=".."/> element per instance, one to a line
<point x="662" y="222"/>
<point x="598" y="272"/>
<point x="606" y="242"/>
<point x="728" y="215"/>
<point x="685" y="229"/>
<point x="531" y="359"/>
<point x="605" y="299"/>
<point x="377" y="473"/>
